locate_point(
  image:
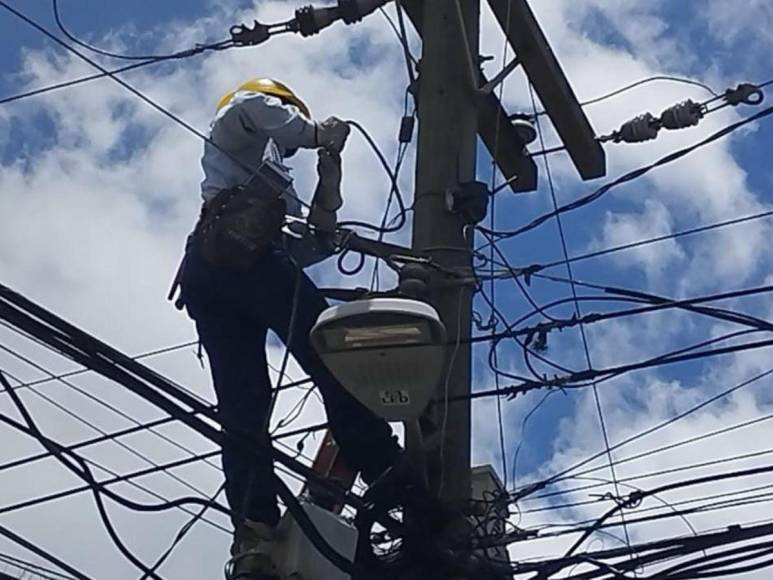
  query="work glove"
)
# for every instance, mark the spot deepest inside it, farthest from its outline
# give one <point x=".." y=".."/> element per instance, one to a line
<point x="327" y="198"/>
<point x="332" y="134"/>
<point x="328" y="194"/>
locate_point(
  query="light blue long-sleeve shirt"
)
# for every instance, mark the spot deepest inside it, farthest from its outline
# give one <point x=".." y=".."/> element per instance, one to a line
<point x="251" y="128"/>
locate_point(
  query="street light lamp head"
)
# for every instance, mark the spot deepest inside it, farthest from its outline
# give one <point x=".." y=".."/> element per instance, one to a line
<point x="389" y="353"/>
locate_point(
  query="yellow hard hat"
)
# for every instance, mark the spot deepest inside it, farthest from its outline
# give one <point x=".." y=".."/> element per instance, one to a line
<point x="268" y="87"/>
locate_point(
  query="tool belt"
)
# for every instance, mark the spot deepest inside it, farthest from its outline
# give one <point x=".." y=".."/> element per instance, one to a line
<point x="238" y="225"/>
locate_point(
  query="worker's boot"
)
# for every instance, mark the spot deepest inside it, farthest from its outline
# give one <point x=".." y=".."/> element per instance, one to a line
<point x="252" y="557"/>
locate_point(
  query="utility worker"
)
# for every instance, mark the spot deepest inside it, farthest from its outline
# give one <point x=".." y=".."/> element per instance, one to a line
<point x="235" y="292"/>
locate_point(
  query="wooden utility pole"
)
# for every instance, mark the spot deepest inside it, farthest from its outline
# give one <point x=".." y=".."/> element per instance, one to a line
<point x="448" y="117"/>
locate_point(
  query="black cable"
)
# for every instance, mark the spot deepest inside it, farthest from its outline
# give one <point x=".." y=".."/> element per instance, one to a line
<point x="38" y="551"/>
<point x="39" y="342"/>
<point x="101" y="431"/>
<point x="578" y="312"/>
<point x="515" y="275"/>
<point x="563" y="473"/>
<point x="142" y="473"/>
<point x="395" y="187"/>
<point x="29" y="567"/>
<point x="86" y="443"/>
<point x="394" y="184"/>
<point x="693" y="570"/>
<point x="410" y="60"/>
<point x="653" y="304"/>
<point x="636" y="498"/>
<point x="525" y="420"/>
<point x="402" y="150"/>
<point x="641" y="82"/>
<point x="78" y="81"/>
<point x="581" y="379"/>
<point x="645" y="242"/>
<point x="126" y="447"/>
<point x="83" y="371"/>
<point x="650" y="474"/>
<point x="83" y="471"/>
<point x="655" y="551"/>
<point x="137" y="93"/>
<point x="154" y="388"/>
<point x="631" y="176"/>
<point x="690" y="305"/>
<point x="181" y="54"/>
<point x="187" y="527"/>
<point x="521" y="344"/>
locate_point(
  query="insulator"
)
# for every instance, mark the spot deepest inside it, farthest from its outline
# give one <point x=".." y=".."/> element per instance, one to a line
<point x="642" y="128"/>
<point x="682" y="115"/>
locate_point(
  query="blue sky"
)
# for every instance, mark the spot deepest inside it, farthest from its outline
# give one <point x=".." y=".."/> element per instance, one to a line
<point x="105" y="191"/>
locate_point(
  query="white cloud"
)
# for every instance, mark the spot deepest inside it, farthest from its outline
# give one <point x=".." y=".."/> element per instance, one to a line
<point x="93" y="223"/>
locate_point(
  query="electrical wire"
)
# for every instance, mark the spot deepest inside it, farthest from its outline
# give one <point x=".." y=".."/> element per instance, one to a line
<point x="649" y="474"/>
<point x="578" y="311"/>
<point x="38" y="551"/>
<point x="128" y="477"/>
<point x="112" y="409"/>
<point x="648" y="241"/>
<point x="187" y="527"/>
<point x="167" y="113"/>
<point x="665" y="488"/>
<point x="626" y="88"/>
<point x="74" y="343"/>
<point x="105" y="436"/>
<point x="79" y="467"/>
<point x="28" y="567"/>
<point x="631" y="176"/>
<point x="181" y="54"/>
<point x="531" y="488"/>
<point x="395" y="187"/>
<point x="492" y="286"/>
<point x="651" y="303"/>
<point x="579" y="380"/>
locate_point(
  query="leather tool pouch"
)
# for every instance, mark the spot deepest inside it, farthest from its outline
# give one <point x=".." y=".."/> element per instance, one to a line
<point x="238" y="225"/>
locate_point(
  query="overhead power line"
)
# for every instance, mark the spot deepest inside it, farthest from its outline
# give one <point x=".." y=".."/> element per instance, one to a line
<point x="636" y="497"/>
<point x="38" y="551"/>
<point x="630" y="176"/>
<point x="176" y="55"/>
<point x="565" y="473"/>
<point x="656" y="239"/>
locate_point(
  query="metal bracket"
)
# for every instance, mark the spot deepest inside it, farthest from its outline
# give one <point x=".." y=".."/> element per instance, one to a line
<point x="501" y="75"/>
<point x="243" y="35"/>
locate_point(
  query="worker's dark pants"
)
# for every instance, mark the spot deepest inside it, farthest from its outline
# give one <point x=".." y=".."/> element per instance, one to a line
<point x="233" y="311"/>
